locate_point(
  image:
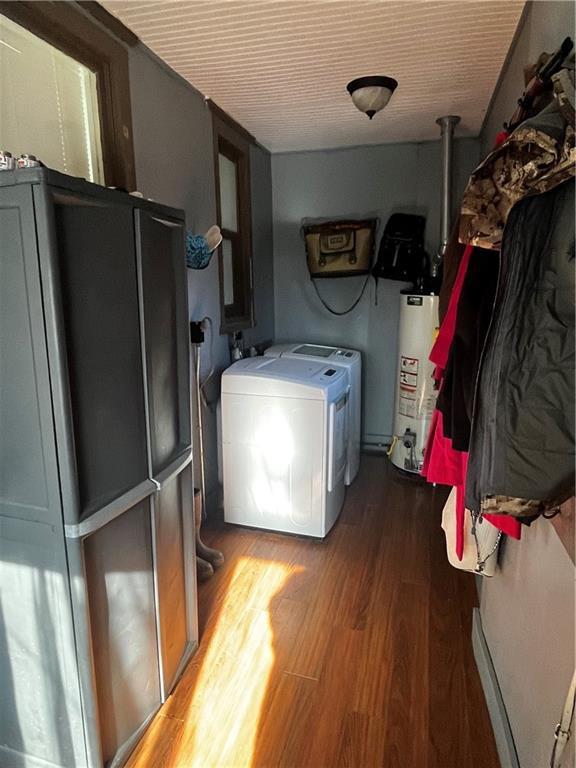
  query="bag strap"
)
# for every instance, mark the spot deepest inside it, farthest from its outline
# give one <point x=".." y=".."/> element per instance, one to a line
<point x="480" y="560"/>
<point x="352" y="306"/>
<point x="562" y="731"/>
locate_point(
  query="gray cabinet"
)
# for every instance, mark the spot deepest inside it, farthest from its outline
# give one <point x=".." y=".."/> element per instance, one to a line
<point x="97" y="576"/>
<point x="171" y="532"/>
<point x="160" y="245"/>
<point x="120" y="586"/>
<point x="95" y="264"/>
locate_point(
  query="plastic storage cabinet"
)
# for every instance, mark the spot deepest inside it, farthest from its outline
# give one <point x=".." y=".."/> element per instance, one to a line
<point x="97" y="575"/>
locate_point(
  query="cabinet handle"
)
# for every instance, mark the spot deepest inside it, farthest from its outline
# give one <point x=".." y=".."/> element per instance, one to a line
<point x="111" y="511"/>
<point x="174" y="468"/>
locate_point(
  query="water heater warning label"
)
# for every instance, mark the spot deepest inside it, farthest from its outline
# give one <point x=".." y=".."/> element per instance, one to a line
<point x="408" y="373"/>
<point x="409" y="380"/>
<point x="407" y="406"/>
<point x="409" y="364"/>
<point x="407" y="402"/>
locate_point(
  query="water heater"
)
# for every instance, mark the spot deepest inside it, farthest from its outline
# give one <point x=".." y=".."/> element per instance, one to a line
<point x="415" y="394"/>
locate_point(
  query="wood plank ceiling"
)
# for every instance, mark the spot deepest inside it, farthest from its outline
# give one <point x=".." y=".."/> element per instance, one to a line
<point x="280" y="67"/>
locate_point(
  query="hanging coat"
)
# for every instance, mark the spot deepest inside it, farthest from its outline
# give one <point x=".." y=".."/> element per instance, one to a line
<point x="538" y="156"/>
<point x="522" y="439"/>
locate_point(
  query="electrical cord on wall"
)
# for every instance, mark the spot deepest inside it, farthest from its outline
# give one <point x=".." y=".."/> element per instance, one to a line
<point x="350" y="308"/>
<point x="202" y="393"/>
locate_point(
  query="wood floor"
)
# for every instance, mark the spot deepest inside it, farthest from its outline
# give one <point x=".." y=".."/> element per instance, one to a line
<point x="354" y="651"/>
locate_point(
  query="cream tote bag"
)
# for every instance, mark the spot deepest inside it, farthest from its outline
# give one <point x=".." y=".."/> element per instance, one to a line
<point x="481" y="541"/>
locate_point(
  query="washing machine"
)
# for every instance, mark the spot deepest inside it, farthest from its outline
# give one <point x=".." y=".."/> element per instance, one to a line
<point x="351" y="360"/>
<point x="284" y="440"/>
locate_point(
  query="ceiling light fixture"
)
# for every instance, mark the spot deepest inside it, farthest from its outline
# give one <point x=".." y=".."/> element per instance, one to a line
<point x="371" y="94"/>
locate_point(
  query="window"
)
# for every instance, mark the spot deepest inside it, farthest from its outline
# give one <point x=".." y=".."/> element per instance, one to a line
<point x="64" y="92"/>
<point x="232" y="165"/>
<point x="48" y="104"/>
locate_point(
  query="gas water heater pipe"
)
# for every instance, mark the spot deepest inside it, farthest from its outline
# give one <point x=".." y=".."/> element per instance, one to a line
<point x="447" y="125"/>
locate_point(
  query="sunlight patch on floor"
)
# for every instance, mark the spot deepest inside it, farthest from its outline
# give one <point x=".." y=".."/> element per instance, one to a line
<point x="221" y="725"/>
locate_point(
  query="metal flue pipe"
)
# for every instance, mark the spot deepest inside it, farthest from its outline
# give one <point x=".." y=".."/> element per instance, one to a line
<point x="447" y="125"/>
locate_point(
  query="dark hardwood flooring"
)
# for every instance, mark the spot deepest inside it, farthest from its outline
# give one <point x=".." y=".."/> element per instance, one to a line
<point x="354" y="651"/>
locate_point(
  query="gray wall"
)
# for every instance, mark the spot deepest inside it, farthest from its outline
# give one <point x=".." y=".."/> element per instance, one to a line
<point x="365" y="180"/>
<point x="528" y="609"/>
<point x="174" y="165"/>
<point x="528" y="618"/>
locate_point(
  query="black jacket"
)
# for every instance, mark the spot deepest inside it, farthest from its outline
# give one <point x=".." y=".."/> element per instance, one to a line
<point x="522" y="437"/>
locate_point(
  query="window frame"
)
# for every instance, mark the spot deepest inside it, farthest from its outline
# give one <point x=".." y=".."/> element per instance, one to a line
<point x="233" y="141"/>
<point x="75" y="34"/>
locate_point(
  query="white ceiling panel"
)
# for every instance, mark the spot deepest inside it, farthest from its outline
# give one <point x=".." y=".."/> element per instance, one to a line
<point x="280" y="67"/>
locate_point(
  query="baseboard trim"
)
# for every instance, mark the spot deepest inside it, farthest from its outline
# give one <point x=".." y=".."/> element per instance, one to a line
<point x="496" y="708"/>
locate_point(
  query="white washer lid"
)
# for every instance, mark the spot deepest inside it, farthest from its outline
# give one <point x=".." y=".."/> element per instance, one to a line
<point x="299" y="378"/>
<point x="340" y="355"/>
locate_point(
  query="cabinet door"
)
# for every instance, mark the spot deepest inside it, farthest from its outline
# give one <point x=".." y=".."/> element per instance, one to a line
<point x="40" y="706"/>
<point x="175" y="573"/>
<point x="95" y="266"/>
<point x="29" y="483"/>
<point x="165" y="323"/>
<point x="120" y="586"/>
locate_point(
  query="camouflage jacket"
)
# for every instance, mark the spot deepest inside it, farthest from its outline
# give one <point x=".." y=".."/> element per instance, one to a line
<point x="538" y="156"/>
